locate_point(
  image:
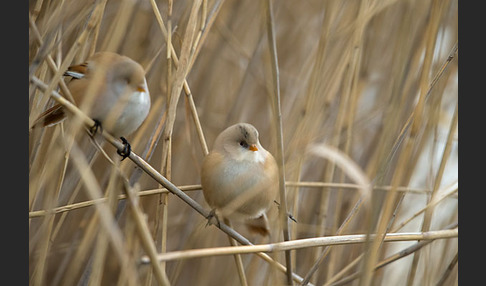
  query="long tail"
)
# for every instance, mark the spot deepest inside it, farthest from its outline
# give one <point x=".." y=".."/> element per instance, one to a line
<point x="51" y="116"/>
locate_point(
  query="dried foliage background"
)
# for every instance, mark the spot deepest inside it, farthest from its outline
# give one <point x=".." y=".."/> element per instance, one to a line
<point x="373" y="81"/>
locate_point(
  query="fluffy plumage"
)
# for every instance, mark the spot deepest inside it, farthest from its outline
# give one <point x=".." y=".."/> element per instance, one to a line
<point x="239" y="177"/>
<point x="109" y="88"/>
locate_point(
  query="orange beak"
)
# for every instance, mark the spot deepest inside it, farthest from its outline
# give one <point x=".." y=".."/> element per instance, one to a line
<point x="253" y="147"/>
<point x="141" y="88"/>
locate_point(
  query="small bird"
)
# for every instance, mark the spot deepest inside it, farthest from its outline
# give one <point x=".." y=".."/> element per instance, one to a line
<point x="118" y="89"/>
<point x="240" y="178"/>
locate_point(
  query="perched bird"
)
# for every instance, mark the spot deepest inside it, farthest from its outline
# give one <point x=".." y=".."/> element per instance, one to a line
<point x="109" y="88"/>
<point x="240" y="178"/>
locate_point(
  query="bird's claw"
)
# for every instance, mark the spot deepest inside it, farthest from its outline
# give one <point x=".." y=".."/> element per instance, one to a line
<point x="94" y="129"/>
<point x="212" y="214"/>
<point x="127" y="149"/>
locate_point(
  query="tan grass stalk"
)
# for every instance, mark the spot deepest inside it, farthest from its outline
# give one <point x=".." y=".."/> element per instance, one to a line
<point x="188" y="188"/>
<point x="84" y="204"/>
<point x="173" y="58"/>
<point x="118" y="27"/>
<point x="45" y="231"/>
<point x="179" y="78"/>
<point x="68" y="276"/>
<point x="239" y="263"/>
<point x="438" y="180"/>
<point x="350" y="168"/>
<point x="448" y="271"/>
<point x="430" y="205"/>
<point x="437" y="8"/>
<point x="353" y="171"/>
<point x="405" y="161"/>
<point x="326" y="250"/>
<point x="403" y="253"/>
<point x="392" y="258"/>
<point x="277" y="115"/>
<point x="50" y="61"/>
<point x="106" y="217"/>
<point x="101" y="247"/>
<point x="145" y="236"/>
<point x="302" y="243"/>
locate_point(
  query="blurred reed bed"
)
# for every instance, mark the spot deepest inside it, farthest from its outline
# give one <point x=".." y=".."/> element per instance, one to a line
<point x="368" y="94"/>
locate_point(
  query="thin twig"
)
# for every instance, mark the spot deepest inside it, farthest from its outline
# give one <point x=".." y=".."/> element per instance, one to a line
<point x="302" y="243"/>
<point x="448" y="270"/>
<point x="106" y="217"/>
<point x="188" y="188"/>
<point x="239" y="263"/>
<point x="284" y="219"/>
<point x="394" y="257"/>
<point x="144" y="233"/>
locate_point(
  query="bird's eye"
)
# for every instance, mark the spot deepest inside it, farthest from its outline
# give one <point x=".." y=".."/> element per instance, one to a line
<point x="243" y="144"/>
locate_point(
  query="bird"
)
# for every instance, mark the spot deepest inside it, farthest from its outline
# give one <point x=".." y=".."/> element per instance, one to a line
<point x="239" y="177"/>
<point x="111" y="89"/>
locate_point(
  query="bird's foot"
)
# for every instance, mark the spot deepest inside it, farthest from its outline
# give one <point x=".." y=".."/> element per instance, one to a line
<point x="212" y="215"/>
<point x="126" y="150"/>
<point x="94" y="129"/>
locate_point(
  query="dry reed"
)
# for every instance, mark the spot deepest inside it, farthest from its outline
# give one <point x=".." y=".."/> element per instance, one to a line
<point x="356" y="99"/>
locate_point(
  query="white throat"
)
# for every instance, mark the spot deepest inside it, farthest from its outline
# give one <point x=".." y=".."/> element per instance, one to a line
<point x="245" y="155"/>
<point x="257" y="156"/>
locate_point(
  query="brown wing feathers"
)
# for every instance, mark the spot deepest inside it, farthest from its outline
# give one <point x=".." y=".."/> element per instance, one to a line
<point x="50" y="117"/>
<point x="77" y="71"/>
<point x="56" y="114"/>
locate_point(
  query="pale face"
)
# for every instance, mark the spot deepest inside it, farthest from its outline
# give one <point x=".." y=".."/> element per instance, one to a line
<point x="241" y="143"/>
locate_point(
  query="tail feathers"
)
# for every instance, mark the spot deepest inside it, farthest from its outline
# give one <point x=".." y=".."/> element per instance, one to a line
<point x="259" y="225"/>
<point x="56" y="114"/>
<point x="51" y="116"/>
